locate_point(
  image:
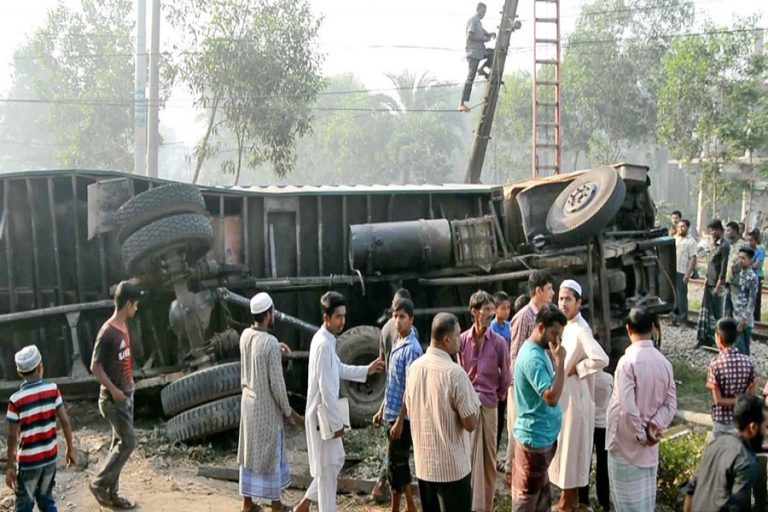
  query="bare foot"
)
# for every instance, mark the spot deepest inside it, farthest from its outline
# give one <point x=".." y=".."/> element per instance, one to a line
<point x="463" y="107"/>
<point x="483" y="73"/>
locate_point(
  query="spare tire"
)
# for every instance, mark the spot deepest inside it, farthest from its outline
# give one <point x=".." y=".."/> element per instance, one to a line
<point x="360" y="346"/>
<point x="200" y="387"/>
<point x="205" y="420"/>
<point x="586" y="206"/>
<point x="190" y="232"/>
<point x="157" y="203"/>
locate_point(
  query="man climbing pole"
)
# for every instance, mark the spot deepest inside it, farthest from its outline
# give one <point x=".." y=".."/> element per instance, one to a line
<point x="476" y="52"/>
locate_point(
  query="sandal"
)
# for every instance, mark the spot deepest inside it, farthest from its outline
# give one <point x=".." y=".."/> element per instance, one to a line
<point x="121" y="503"/>
<point x="101" y="496"/>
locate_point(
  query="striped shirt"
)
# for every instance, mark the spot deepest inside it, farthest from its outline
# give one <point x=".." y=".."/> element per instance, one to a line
<point x="405" y="352"/>
<point x="438" y="394"/>
<point x="34" y="407"/>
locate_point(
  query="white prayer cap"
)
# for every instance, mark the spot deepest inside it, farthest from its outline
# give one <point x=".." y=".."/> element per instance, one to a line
<point x="260" y="303"/>
<point x="27" y="359"/>
<point x="571" y="285"/>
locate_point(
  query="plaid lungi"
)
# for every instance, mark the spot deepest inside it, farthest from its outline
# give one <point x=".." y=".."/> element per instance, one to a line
<point x="633" y="489"/>
<point x="267" y="486"/>
<point x="709" y="314"/>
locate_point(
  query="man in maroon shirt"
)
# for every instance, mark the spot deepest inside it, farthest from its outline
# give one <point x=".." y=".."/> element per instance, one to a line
<point x="485" y="357"/>
<point x="112" y="366"/>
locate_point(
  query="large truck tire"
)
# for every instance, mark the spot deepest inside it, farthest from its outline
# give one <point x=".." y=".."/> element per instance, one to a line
<point x="155" y="204"/>
<point x="201" y="387"/>
<point x="189" y="231"/>
<point x="360" y="346"/>
<point x="205" y="420"/>
<point x="586" y="206"/>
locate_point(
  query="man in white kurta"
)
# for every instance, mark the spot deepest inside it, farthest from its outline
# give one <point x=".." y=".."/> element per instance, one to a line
<point x="569" y="469"/>
<point x="326" y="457"/>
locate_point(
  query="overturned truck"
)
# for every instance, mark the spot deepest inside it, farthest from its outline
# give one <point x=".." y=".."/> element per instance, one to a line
<point x="68" y="236"/>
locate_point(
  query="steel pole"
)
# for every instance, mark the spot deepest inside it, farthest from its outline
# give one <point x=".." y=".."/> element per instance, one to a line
<point x="154" y="92"/>
<point x="140" y="91"/>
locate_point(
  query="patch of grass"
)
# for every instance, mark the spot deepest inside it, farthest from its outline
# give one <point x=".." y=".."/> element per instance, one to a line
<point x="692" y="392"/>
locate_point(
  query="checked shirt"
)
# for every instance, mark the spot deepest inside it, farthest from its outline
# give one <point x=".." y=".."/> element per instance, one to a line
<point x="732" y="373"/>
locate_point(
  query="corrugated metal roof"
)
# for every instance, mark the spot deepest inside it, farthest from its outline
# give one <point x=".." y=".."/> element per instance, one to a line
<point x="450" y="188"/>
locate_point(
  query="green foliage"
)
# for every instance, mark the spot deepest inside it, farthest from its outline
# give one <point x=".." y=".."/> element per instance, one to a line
<point x="79" y="65"/>
<point x="255" y="68"/>
<point x="678" y="459"/>
<point x="509" y="153"/>
<point x="692" y="392"/>
<point x="609" y="97"/>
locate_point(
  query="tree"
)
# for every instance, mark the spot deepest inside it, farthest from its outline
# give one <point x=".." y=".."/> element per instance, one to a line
<point x="610" y="60"/>
<point x="74" y="77"/>
<point x="509" y="155"/>
<point x="702" y="103"/>
<point x="254" y="67"/>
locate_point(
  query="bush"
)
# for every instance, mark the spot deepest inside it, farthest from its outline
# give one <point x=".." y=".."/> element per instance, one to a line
<point x="678" y="459"/>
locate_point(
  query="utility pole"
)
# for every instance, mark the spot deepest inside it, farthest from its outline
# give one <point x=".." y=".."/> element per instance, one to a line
<point x="140" y="91"/>
<point x="154" y="92"/>
<point x="483" y="132"/>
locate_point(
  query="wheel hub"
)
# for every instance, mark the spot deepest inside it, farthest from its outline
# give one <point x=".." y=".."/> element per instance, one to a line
<point x="580" y="197"/>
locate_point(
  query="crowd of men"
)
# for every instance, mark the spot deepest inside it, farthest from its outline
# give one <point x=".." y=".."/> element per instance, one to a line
<point x="541" y="377"/>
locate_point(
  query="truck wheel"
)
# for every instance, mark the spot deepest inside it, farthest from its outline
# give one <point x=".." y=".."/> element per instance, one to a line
<point x="189" y="231"/>
<point x="201" y="387"/>
<point x="360" y="346"/>
<point x="205" y="420"/>
<point x="157" y="203"/>
<point x="586" y="206"/>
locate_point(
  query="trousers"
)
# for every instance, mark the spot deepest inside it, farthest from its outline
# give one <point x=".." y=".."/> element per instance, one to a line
<point x="36" y="485"/>
<point x="474" y="65"/>
<point x="446" y="496"/>
<point x="120" y="417"/>
<point x="322" y="490"/>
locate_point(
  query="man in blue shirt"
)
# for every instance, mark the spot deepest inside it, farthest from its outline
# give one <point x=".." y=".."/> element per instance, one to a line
<point x="404" y="352"/>
<point x="500" y="326"/>
<point x="538" y="386"/>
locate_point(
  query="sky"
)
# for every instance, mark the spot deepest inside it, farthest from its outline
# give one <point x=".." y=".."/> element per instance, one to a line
<point x="370" y="39"/>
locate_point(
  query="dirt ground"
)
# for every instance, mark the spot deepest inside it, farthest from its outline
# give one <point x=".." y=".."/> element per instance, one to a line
<point x="161" y="477"/>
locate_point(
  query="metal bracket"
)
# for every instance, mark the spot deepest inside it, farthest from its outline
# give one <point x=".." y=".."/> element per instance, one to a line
<point x="78" y="368"/>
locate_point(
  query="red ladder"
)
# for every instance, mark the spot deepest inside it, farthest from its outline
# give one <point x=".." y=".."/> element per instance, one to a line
<point x="545" y="136"/>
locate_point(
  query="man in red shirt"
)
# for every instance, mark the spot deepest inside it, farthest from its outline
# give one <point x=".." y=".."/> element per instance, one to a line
<point x="112" y="366"/>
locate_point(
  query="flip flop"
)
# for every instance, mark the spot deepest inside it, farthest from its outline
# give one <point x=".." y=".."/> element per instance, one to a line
<point x="101" y="496"/>
<point x="121" y="503"/>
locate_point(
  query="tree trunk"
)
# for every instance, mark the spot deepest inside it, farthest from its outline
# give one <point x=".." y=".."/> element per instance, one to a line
<point x="208" y="132"/>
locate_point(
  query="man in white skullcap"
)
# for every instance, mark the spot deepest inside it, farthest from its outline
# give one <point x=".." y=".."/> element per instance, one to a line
<point x="261" y="454"/>
<point x="569" y="469"/>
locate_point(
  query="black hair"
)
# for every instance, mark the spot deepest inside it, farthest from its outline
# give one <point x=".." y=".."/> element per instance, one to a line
<point x="677" y="212"/>
<point x="728" y="330"/>
<point x="405" y="305"/>
<point x="550" y="315"/>
<point x="479" y="299"/>
<point x="126" y="292"/>
<point x="640" y="320"/>
<point x="30" y="372"/>
<point x="748" y="251"/>
<point x="733" y="225"/>
<point x="686" y="222"/>
<point x="539" y="279"/>
<point x="443" y="324"/>
<point x="479" y="5"/>
<point x="520" y="302"/>
<point x="259" y="317"/>
<point x="716" y="224"/>
<point x="330" y="301"/>
<point x="500" y="297"/>
<point x="748" y="409"/>
<point x="755" y="233"/>
<point x="402" y="293"/>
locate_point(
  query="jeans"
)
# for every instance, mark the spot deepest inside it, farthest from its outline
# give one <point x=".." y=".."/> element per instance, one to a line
<point x="36" y="485"/>
<point x="120" y="416"/>
<point x="446" y="496"/>
<point x="719" y="429"/>
<point x="474" y="65"/>
<point x="742" y="342"/>
<point x="681" y="289"/>
<point x="759" y="299"/>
